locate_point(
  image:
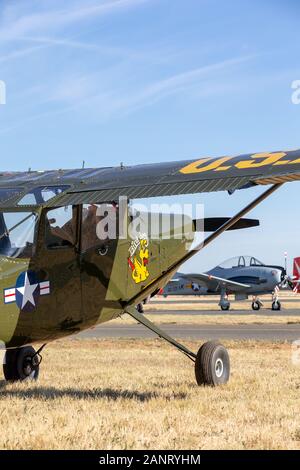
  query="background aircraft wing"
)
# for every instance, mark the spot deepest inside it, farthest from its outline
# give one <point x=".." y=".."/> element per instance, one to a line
<point x="214" y="282"/>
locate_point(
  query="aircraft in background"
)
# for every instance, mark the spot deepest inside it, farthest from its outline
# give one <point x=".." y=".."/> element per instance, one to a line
<point x="242" y="276"/>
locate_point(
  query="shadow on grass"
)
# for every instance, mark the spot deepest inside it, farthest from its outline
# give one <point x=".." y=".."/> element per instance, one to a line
<point x="52" y="393"/>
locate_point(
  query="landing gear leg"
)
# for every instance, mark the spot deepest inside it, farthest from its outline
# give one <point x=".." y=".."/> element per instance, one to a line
<point x="256" y="303"/>
<point x="21" y="364"/>
<point x="212" y="365"/>
<point x="276" y="305"/>
<point x="224" y="302"/>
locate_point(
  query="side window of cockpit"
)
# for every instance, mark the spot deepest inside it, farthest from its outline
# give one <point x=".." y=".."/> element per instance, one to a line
<point x="17" y="234"/>
<point x="99" y="225"/>
<point x="60" y="228"/>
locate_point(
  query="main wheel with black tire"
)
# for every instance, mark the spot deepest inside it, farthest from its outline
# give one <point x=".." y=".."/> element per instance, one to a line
<point x="255" y="306"/>
<point x="276" y="306"/>
<point x="212" y="366"/>
<point x="21" y="364"/>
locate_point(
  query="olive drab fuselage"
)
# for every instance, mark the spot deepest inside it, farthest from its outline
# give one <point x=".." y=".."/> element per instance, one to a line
<point x="84" y="287"/>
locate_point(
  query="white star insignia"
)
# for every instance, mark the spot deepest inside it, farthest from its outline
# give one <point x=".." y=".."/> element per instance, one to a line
<point x="27" y="291"/>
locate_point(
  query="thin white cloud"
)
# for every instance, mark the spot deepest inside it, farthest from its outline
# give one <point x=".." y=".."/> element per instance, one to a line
<point x="172" y="85"/>
<point x="129" y="101"/>
<point x="74" y="94"/>
<point x="98" y="48"/>
<point x="53" y="19"/>
<point x="20" y="53"/>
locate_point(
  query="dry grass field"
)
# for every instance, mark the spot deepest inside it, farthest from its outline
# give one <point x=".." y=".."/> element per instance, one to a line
<point x="141" y="394"/>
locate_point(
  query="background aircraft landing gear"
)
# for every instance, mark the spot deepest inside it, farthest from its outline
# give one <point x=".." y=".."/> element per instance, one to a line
<point x="21" y="364"/>
<point x="224" y="302"/>
<point x="276" y="305"/>
<point x="226" y="306"/>
<point x="256" y="304"/>
<point x="140" y="308"/>
<point x="212" y="366"/>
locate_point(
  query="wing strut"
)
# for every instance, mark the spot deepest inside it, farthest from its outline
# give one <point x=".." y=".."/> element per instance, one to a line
<point x="148" y="290"/>
<point x="132" y="311"/>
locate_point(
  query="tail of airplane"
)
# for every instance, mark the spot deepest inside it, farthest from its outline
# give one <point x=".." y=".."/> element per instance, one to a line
<point x="296" y="275"/>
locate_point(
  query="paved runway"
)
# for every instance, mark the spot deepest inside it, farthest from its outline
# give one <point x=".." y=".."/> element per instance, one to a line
<point x="270" y="332"/>
<point x="291" y="312"/>
<point x="214" y="301"/>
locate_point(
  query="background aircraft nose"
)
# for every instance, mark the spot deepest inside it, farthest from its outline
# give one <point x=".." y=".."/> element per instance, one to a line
<point x="279" y="275"/>
<point x="283" y="274"/>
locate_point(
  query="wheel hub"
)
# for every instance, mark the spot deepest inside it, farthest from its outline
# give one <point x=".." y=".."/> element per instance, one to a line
<point x="28" y="367"/>
<point x="219" y="368"/>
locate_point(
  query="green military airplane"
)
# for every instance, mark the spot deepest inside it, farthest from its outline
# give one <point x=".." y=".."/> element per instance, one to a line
<point x="59" y="277"/>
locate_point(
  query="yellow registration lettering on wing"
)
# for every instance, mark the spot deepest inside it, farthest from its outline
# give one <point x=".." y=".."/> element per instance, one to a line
<point x="199" y="166"/>
<point x="263" y="159"/>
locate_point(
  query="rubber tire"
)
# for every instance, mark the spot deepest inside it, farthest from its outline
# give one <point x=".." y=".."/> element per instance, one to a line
<point x="205" y="363"/>
<point x="13" y="367"/>
<point x="278" y="308"/>
<point x="225" y="308"/>
<point x="10" y="365"/>
<point x="255" y="306"/>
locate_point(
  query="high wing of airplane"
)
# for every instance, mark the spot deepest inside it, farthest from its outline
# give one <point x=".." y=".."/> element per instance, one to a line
<point x="88" y="185"/>
<point x="61" y="273"/>
<point x="241" y="276"/>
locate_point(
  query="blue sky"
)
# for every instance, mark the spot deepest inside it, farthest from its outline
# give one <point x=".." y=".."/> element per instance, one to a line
<point x="139" y="81"/>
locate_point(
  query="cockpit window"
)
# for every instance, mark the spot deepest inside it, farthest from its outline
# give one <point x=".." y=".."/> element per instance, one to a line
<point x="255" y="262"/>
<point x="17" y="231"/>
<point x="60" y="228"/>
<point x="240" y="262"/>
<point x="42" y="195"/>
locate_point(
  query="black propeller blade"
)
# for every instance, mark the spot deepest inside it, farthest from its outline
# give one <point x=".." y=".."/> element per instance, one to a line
<point x="211" y="224"/>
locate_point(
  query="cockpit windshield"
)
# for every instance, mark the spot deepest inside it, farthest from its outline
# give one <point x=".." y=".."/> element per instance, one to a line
<point x="17" y="231"/>
<point x="240" y="262"/>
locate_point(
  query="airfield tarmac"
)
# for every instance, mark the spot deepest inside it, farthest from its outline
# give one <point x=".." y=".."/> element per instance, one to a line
<point x="183" y="317"/>
<point x="271" y="332"/>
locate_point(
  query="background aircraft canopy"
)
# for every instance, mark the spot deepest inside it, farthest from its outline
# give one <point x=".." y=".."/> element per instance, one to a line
<point x="240" y="262"/>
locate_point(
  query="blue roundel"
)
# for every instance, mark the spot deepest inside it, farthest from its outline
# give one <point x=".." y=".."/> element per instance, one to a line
<point x="27" y="291"/>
